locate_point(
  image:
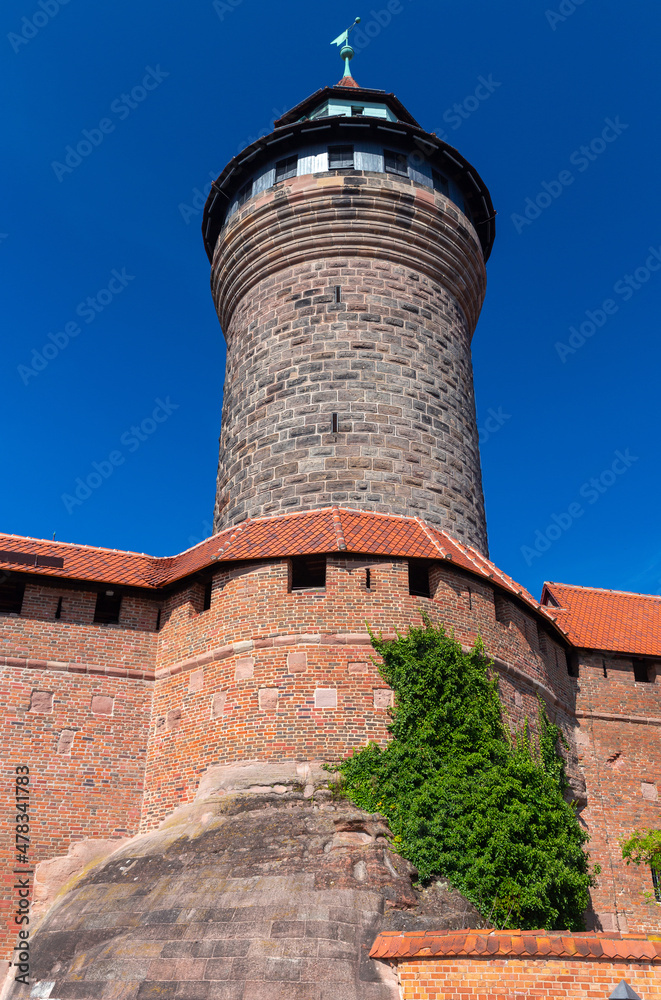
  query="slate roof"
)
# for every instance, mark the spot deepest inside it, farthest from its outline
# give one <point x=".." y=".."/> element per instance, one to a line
<point x="612" y="620"/>
<point x="517" y="944"/>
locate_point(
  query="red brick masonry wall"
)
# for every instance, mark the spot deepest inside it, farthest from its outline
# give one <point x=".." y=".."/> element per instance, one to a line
<point x="619" y="748"/>
<point x="119" y="722"/>
<point x="84" y="738"/>
<point x="520" y="965"/>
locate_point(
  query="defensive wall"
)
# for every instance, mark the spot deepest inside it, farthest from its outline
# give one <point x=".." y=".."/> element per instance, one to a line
<point x="245" y="665"/>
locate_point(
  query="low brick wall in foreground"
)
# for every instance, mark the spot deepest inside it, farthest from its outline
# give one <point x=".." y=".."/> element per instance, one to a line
<point x="520" y="965"/>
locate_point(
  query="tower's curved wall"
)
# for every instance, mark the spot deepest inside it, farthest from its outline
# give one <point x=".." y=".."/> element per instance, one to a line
<point x="367" y="400"/>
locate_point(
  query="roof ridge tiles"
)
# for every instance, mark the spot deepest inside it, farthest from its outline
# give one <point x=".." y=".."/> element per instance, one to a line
<point x="80" y="545"/>
<point x="602" y="590"/>
<point x="339" y="532"/>
<point x="437" y="545"/>
<point x="235" y="530"/>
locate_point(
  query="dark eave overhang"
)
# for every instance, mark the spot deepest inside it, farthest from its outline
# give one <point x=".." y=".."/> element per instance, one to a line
<point x="355" y="95"/>
<point x="286" y="137"/>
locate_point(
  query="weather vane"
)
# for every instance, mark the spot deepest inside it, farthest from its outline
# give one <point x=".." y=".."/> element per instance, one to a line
<point x="346" y="52"/>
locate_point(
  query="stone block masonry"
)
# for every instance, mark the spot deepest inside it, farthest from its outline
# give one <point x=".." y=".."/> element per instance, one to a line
<point x="349" y="377"/>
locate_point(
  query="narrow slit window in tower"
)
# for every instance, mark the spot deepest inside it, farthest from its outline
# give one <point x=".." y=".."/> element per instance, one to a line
<point x="158" y="620"/>
<point x="308" y="572"/>
<point x="337" y="294"/>
<point x="108" y="605"/>
<point x="11" y="597"/>
<point x="395" y="163"/>
<point x="334" y="423"/>
<point x="58" y="609"/>
<point x="340" y="157"/>
<point x="368" y="579"/>
<point x="286" y="168"/>
<point x="206" y="598"/>
<point x="419" y="578"/>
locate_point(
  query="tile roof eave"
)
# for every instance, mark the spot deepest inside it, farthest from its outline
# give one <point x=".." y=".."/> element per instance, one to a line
<point x="334" y="529"/>
<point x="517" y="944"/>
<point x="609" y="621"/>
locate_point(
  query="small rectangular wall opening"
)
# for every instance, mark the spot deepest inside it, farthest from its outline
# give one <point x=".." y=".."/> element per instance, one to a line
<point x="334" y="423"/>
<point x="419" y="578"/>
<point x="158" y="620"/>
<point x="58" y="609"/>
<point x="368" y="579"/>
<point x="337" y="293"/>
<point x="206" y="596"/>
<point x="571" y="659"/>
<point x="502" y="609"/>
<point x="308" y="572"/>
<point x="11" y="597"/>
<point x="641" y="672"/>
<point x="108" y="606"/>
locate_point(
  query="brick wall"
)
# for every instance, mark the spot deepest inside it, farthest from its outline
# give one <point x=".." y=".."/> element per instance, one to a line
<point x="271" y="673"/>
<point x="37" y="634"/>
<point x="391" y="359"/>
<point x="267" y="672"/>
<point x="619" y="743"/>
<point x="515" y="979"/>
<point x="84" y="740"/>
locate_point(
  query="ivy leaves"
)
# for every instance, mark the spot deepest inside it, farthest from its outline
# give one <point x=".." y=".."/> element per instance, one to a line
<point x="466" y="800"/>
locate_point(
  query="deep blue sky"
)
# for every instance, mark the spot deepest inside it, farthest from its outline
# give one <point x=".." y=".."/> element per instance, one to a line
<point x="561" y="422"/>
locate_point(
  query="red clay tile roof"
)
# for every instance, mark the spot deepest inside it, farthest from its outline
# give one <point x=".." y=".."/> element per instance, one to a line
<point x="612" y="620"/>
<point x="348" y="81"/>
<point x="517" y="944"/>
<point x="330" y="529"/>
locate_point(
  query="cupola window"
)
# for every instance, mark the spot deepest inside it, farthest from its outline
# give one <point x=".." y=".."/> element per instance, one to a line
<point x="395" y="163"/>
<point x="244" y="193"/>
<point x="340" y="157"/>
<point x="286" y="168"/>
<point x="440" y="182"/>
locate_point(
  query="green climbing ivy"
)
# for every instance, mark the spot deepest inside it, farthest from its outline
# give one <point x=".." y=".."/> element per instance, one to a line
<point x="643" y="847"/>
<point x="466" y="800"/>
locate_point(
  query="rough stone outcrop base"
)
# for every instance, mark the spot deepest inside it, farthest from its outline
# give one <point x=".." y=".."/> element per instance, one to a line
<point x="264" y="888"/>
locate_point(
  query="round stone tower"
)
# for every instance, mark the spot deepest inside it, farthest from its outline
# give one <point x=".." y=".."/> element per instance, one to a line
<point x="348" y="252"/>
